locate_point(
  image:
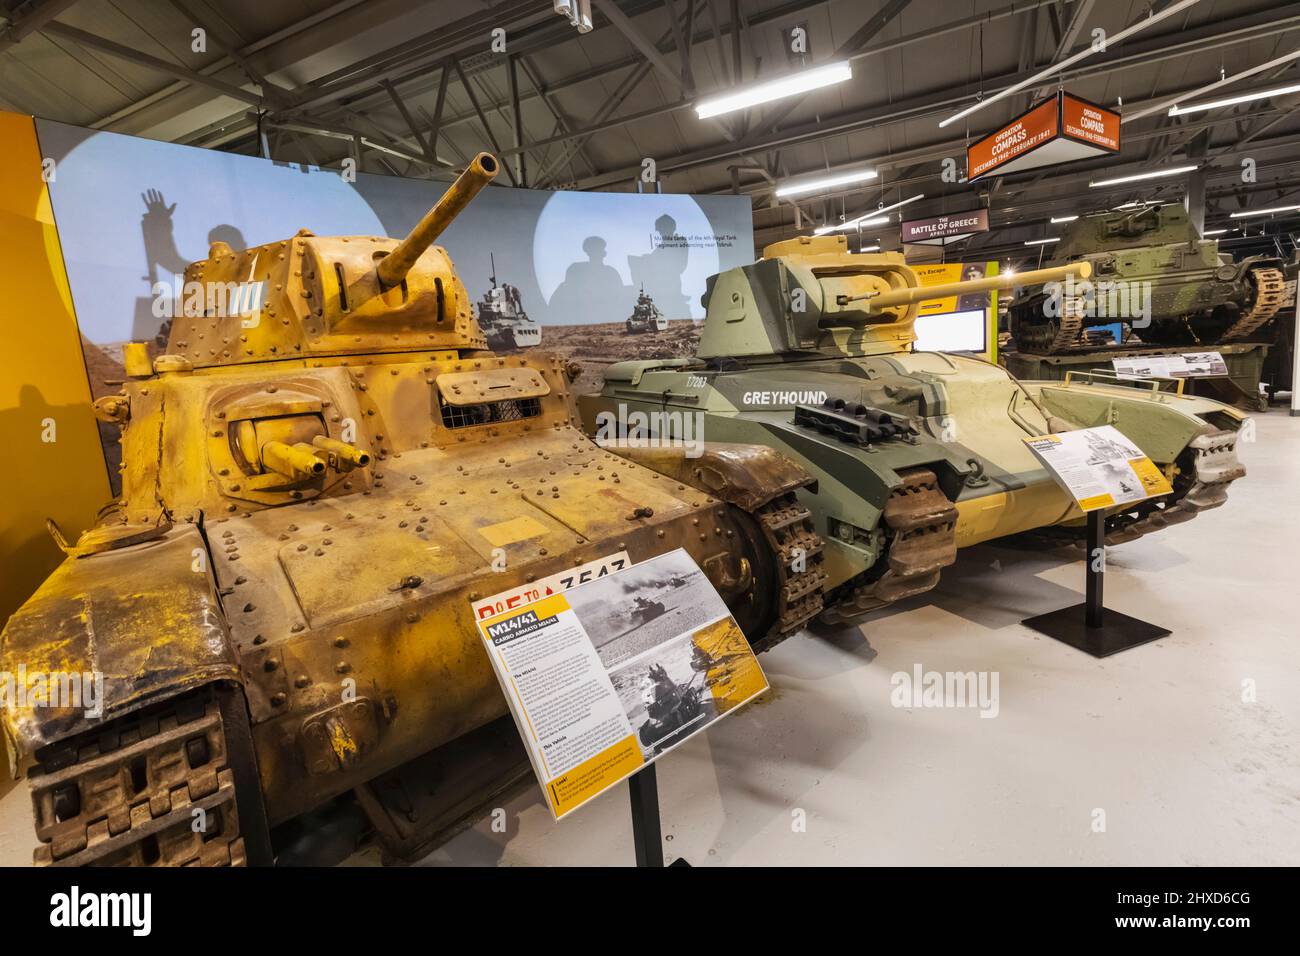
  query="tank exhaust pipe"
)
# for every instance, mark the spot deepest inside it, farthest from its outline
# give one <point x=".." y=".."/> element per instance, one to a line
<point x="482" y="169"/>
<point x="889" y="300"/>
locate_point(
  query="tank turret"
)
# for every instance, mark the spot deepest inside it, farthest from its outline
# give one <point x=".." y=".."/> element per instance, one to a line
<point x="1126" y="229"/>
<point x="337" y="295"/>
<point x="810" y="294"/>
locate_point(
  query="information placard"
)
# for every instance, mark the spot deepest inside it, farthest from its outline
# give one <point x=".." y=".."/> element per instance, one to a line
<point x="1186" y="365"/>
<point x="1099" y="467"/>
<point x="606" y="676"/>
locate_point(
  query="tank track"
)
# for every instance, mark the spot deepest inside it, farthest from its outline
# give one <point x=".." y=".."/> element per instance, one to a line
<point x="126" y="795"/>
<point x="1050" y="338"/>
<point x="1067" y="334"/>
<point x="1208" y="465"/>
<point x="1270" y="295"/>
<point x="924" y="523"/>
<point x="787" y="526"/>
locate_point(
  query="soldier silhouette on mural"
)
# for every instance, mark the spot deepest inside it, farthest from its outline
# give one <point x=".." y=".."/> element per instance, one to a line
<point x="163" y="260"/>
<point x="591" y="288"/>
<point x="660" y="272"/>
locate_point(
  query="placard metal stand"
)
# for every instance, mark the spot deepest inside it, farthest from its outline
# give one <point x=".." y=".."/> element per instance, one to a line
<point x="1089" y="626"/>
<point x="1295" y="355"/>
<point x="647" y="838"/>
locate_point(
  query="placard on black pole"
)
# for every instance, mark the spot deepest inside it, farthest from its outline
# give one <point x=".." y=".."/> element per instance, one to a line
<point x="1089" y="626"/>
<point x="647" y="837"/>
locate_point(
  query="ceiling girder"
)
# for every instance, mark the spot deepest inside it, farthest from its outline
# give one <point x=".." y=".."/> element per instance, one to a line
<point x="1144" y="51"/>
<point x="32" y="20"/>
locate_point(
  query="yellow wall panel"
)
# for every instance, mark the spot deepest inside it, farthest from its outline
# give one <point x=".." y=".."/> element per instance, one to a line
<point x="43" y="387"/>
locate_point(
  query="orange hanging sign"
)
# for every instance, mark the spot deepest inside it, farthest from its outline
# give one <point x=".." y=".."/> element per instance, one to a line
<point x="1058" y="130"/>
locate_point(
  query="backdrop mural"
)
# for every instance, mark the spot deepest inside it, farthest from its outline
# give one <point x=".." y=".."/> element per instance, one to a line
<point x="567" y="269"/>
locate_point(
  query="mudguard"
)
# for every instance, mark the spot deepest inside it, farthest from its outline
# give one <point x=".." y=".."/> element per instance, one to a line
<point x="747" y="476"/>
<point x="1162" y="424"/>
<point x="145" y="619"/>
<point x="1257" y="262"/>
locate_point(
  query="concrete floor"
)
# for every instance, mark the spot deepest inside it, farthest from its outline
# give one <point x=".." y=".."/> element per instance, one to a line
<point x="1158" y="739"/>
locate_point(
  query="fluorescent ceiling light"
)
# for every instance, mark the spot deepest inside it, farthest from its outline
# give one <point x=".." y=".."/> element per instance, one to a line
<point x="1261" y="212"/>
<point x="869" y="249"/>
<point x="1216" y="232"/>
<point x="872" y="218"/>
<point x="1041" y="242"/>
<point x="852" y="224"/>
<point x="1223" y="81"/>
<point x="903" y="202"/>
<point x="1054" y="71"/>
<point x="826" y="182"/>
<point x="1064" y="218"/>
<point x="1154" y="174"/>
<point x="802" y="82"/>
<point x="1175" y="110"/>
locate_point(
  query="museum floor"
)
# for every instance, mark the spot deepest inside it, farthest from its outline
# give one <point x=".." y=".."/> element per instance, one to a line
<point x="1158" y="737"/>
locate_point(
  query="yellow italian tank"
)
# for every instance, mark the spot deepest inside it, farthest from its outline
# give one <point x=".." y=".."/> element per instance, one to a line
<point x="321" y="473"/>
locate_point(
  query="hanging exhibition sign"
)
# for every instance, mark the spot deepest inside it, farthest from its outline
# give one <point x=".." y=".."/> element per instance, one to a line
<point x="1057" y="130"/>
<point x="1099" y="467"/>
<point x="941" y="230"/>
<point x="605" y="676"/>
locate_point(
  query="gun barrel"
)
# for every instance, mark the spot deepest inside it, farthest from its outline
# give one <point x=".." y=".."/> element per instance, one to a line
<point x="887" y="300"/>
<point x="296" y="462"/>
<point x="481" y="171"/>
<point x="347" y="456"/>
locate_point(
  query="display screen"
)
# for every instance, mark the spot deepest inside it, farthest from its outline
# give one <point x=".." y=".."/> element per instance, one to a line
<point x="952" y="331"/>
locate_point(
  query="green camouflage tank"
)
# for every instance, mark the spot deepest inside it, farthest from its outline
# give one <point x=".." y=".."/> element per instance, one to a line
<point x="915" y="454"/>
<point x="1156" y="277"/>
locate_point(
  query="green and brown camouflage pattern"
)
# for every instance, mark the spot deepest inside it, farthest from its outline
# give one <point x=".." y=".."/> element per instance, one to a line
<point x="762" y="364"/>
<point x="1191" y="293"/>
